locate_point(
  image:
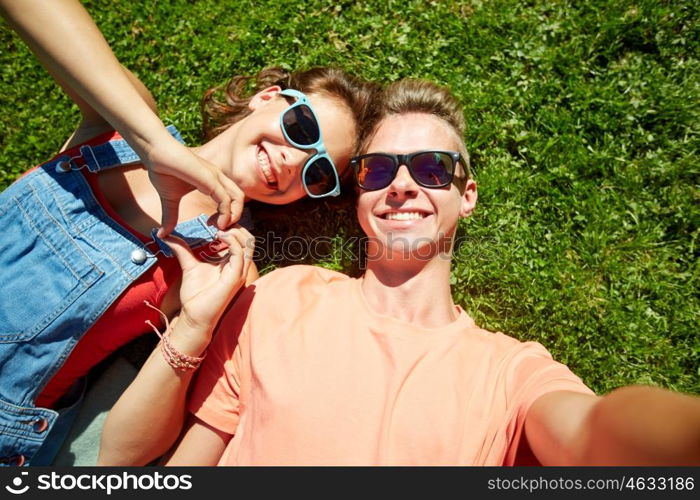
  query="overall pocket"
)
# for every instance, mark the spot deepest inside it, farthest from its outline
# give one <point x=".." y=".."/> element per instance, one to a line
<point x="43" y="269"/>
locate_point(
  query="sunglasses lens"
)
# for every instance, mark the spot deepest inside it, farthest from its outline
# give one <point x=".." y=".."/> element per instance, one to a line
<point x="320" y="178"/>
<point x="300" y="125"/>
<point x="432" y="169"/>
<point x="375" y="172"/>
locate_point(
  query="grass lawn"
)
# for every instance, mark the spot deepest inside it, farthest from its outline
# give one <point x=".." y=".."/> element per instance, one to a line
<point x="584" y="122"/>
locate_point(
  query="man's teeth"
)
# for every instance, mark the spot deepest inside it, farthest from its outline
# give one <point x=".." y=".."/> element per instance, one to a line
<point x="404" y="215"/>
<point x="264" y="162"/>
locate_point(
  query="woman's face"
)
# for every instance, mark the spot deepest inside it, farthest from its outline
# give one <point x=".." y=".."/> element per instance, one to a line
<point x="265" y="166"/>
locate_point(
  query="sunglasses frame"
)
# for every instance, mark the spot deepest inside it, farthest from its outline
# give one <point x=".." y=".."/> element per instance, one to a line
<point x="321" y="152"/>
<point x="407" y="159"/>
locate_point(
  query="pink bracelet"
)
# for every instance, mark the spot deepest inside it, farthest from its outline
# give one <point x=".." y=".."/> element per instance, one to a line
<point x="173" y="357"/>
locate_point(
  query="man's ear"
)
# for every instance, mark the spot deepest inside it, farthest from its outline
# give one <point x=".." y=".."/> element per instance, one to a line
<point x="468" y="199"/>
<point x="263" y="97"/>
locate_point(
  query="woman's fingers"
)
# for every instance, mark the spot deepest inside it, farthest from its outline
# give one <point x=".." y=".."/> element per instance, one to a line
<point x="226" y="274"/>
<point x="247" y="242"/>
<point x="182" y="252"/>
<point x="235" y="202"/>
<point x="234" y="270"/>
<point x="174" y="171"/>
<point x="170" y="209"/>
<point x="171" y="188"/>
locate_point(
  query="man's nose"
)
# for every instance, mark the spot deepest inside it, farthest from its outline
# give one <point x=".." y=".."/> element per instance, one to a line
<point x="403" y="184"/>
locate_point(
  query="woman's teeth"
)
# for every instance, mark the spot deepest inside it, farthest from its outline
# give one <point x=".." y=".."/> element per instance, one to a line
<point x="404" y="215"/>
<point x="264" y="162"/>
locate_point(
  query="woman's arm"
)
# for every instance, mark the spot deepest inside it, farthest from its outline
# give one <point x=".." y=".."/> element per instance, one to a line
<point x="149" y="416"/>
<point x="199" y="444"/>
<point x="77" y="55"/>
<point x="92" y="123"/>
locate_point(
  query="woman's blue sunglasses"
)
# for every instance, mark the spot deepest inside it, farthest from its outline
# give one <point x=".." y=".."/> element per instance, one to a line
<point x="301" y="128"/>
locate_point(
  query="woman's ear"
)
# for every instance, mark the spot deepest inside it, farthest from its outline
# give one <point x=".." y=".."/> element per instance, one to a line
<point x="263" y="97"/>
<point x="468" y="199"/>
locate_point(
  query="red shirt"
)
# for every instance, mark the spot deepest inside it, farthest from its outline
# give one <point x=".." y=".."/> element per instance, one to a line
<point x="125" y="319"/>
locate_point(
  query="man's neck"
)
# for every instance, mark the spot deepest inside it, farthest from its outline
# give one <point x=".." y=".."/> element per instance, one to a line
<point x="417" y="292"/>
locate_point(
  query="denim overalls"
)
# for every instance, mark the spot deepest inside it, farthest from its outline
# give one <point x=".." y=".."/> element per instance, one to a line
<point x="63" y="261"/>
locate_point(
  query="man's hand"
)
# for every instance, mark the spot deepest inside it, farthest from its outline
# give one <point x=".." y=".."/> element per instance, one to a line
<point x="633" y="425"/>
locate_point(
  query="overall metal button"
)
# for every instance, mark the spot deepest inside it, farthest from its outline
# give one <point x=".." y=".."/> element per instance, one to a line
<point x="16" y="460"/>
<point x="138" y="256"/>
<point x="41" y="425"/>
<point x="63" y="166"/>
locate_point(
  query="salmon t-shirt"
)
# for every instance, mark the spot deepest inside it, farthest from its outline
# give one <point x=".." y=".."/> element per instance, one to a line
<point x="303" y="372"/>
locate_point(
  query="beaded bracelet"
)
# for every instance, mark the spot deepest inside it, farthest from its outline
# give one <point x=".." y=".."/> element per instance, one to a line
<point x="173" y="357"/>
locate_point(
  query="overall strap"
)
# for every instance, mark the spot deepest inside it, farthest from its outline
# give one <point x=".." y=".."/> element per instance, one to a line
<point x="114" y="153"/>
<point x="196" y="232"/>
<point x="107" y="155"/>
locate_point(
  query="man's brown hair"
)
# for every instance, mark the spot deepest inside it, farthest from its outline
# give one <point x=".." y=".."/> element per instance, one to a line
<point x="421" y="96"/>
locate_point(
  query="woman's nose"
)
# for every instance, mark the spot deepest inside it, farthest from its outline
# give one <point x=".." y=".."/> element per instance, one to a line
<point x="293" y="161"/>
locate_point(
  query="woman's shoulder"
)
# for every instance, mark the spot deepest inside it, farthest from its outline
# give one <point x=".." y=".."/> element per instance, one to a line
<point x="103" y="136"/>
<point x="88" y="136"/>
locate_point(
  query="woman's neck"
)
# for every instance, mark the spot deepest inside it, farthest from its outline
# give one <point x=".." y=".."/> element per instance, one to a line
<point x="217" y="150"/>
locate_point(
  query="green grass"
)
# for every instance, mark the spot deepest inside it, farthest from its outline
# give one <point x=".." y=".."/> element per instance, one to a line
<point x="583" y="125"/>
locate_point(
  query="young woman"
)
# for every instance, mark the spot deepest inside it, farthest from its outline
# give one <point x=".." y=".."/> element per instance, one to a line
<point x="83" y="269"/>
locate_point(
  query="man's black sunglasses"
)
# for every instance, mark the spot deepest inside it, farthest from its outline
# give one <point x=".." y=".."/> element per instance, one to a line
<point x="430" y="169"/>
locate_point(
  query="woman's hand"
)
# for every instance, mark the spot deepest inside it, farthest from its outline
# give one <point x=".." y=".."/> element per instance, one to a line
<point x="208" y="287"/>
<point x="175" y="170"/>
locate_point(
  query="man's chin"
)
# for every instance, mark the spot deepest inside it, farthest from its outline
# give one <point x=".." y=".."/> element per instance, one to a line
<point x="399" y="248"/>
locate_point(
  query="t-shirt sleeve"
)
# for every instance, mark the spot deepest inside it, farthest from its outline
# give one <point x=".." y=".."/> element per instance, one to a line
<point x="531" y="373"/>
<point x="223" y="377"/>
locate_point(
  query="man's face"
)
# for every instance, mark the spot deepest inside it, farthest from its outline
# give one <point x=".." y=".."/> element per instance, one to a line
<point x="404" y="218"/>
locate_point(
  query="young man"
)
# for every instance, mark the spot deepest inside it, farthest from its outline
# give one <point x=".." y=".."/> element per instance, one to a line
<point x="313" y="367"/>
